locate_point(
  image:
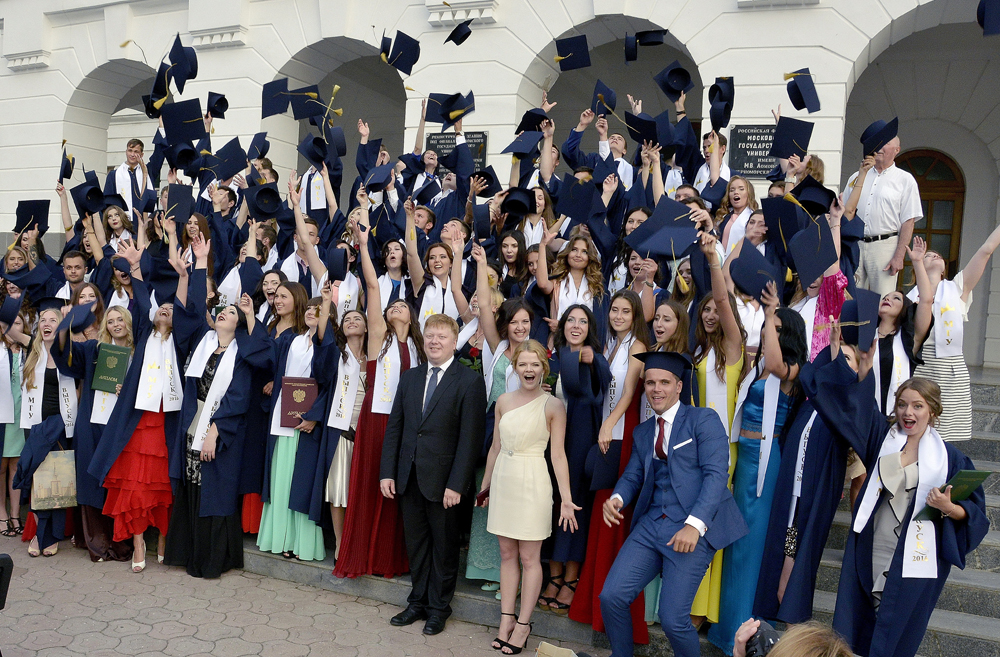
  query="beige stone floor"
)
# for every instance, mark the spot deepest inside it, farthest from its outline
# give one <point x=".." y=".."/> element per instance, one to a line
<point x="65" y="605"/>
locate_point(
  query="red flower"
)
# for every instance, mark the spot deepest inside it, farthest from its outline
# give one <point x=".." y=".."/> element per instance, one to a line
<point x="474" y="352"/>
<point x="548" y="353"/>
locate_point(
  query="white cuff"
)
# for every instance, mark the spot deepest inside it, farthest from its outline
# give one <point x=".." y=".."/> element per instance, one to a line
<point x="697" y="524"/>
<point x="603" y="149"/>
<point x="619" y="498"/>
<point x="459" y="139"/>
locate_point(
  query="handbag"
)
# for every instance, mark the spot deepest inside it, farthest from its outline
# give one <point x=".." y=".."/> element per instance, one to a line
<point x="53" y="485"/>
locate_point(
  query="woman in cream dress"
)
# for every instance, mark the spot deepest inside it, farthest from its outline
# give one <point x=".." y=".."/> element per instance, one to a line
<point x="521" y="513"/>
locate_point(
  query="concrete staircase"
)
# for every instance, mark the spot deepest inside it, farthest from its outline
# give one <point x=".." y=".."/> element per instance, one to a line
<point x="966" y="622"/>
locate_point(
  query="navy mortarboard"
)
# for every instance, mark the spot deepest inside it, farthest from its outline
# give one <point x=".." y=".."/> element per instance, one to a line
<point x="259" y="146"/>
<point x="88" y="198"/>
<point x="184" y="64"/>
<point x="229" y="160"/>
<point x="183" y="121"/>
<point x="812" y="252"/>
<point x="492" y="183"/>
<point x="650" y="37"/>
<point x="751" y="272"/>
<point x="631" y="48"/>
<point x="115" y="200"/>
<point x="878" y="134"/>
<point x="404" y="54"/>
<point x="525" y="144"/>
<point x="306" y="102"/>
<point x="783" y="221"/>
<point x="576" y="198"/>
<point x="573" y="53"/>
<point x="813" y="196"/>
<point x="671" y="361"/>
<point x="674" y="80"/>
<point x="180" y="203"/>
<point x="263" y="201"/>
<point x="519" y="201"/>
<point x="859" y="318"/>
<point x="988" y="16"/>
<point x="531" y="121"/>
<point x="802" y="90"/>
<point x="217" y="105"/>
<point x="791" y="137"/>
<point x="274" y="98"/>
<point x="314" y="149"/>
<point x="604" y="99"/>
<point x="66" y="166"/>
<point x="378" y="178"/>
<point x="32" y="214"/>
<point x="642" y="128"/>
<point x="460" y="33"/>
<point x="9" y="310"/>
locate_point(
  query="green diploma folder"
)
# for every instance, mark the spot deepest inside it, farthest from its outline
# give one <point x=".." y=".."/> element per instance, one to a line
<point x="963" y="484"/>
<point x="112" y="363"/>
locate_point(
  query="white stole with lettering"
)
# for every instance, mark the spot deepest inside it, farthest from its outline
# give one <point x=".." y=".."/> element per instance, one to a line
<point x="345" y="391"/>
<point x="220" y="382"/>
<point x="31" y="400"/>
<point x="387" y="371"/>
<point x="159" y="378"/>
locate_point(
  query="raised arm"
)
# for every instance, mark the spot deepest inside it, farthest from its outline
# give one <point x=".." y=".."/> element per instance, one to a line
<point x="774" y="362"/>
<point x="67" y="220"/>
<point x="925" y="305"/>
<point x="851" y="208"/>
<point x="373" y="309"/>
<point x="455" y="274"/>
<point x="545" y="163"/>
<point x="656" y="173"/>
<point x="90" y="232"/>
<point x="974" y="270"/>
<point x="714" y="158"/>
<point x="413" y="263"/>
<point x="542" y="274"/>
<point x="418" y="145"/>
<point x="487" y="321"/>
<point x="720" y="294"/>
<point x="316" y="266"/>
<point x="331" y="200"/>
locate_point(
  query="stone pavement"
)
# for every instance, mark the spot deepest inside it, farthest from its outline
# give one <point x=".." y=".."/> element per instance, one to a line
<point x="65" y="606"/>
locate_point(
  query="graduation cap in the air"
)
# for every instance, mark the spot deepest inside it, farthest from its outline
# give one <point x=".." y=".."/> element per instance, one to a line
<point x="573" y="53"/>
<point x="115" y="200"/>
<point x="859" y="318"/>
<point x="878" y="134"/>
<point x="988" y="16"/>
<point x="813" y="196"/>
<point x="650" y="37"/>
<point x="66" y="166"/>
<point x="674" y="80"/>
<point x="460" y="33"/>
<point x="784" y="220"/>
<point x="217" y="105"/>
<point x="306" y="102"/>
<point x="519" y="201"/>
<point x="672" y="361"/>
<point x="448" y="109"/>
<point x="665" y="134"/>
<point x="631" y="48"/>
<point x="336" y="142"/>
<point x="314" y="149"/>
<point x="720" y="97"/>
<point x="180" y="155"/>
<point x="426" y="194"/>
<point x="604" y="99"/>
<point x="263" y="201"/>
<point x="642" y="128"/>
<point x="337" y="263"/>
<point x="22" y="277"/>
<point x="667" y="233"/>
<point x="147" y="203"/>
<point x="153" y="102"/>
<point x="751" y="272"/>
<point x="492" y="183"/>
<point x="531" y="121"/>
<point x="9" y="310"/>
<point x="576" y="198"/>
<point x="31" y="214"/>
<point x="812" y="251"/>
<point x="184" y="121"/>
<point x="378" y="178"/>
<point x="184" y="62"/>
<point x="259" y="146"/>
<point x="180" y="203"/>
<point x="274" y="98"/>
<point x="791" y="137"/>
<point x="604" y="168"/>
<point x="50" y="303"/>
<point x="526" y="143"/>
<point x="404" y="54"/>
<point x="229" y="160"/>
<point x="88" y="198"/>
<point x="802" y="90"/>
<point x="78" y="318"/>
<point x="121" y="264"/>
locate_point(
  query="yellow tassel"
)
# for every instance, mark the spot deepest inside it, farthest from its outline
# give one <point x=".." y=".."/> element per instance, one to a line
<point x="514" y="160"/>
<point x="339" y="112"/>
<point x="683" y="284"/>
<point x="788" y="275"/>
<point x="385" y="58"/>
<point x="446" y="4"/>
<point x="312" y="94"/>
<point x="455" y="114"/>
<point x="407" y="88"/>
<point x="333" y="94"/>
<point x="125" y="43"/>
<point x="789" y="76"/>
<point x="64" y="142"/>
<point x="158" y="104"/>
<point x="205" y="151"/>
<point x="559" y="58"/>
<point x="213" y="129"/>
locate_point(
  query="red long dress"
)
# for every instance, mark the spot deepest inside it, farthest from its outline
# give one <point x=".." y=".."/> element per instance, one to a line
<point x="373" y="528"/>
<point x="603" y="543"/>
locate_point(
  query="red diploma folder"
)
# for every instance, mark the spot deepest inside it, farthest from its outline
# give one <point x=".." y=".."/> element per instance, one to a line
<point x="297" y="397"/>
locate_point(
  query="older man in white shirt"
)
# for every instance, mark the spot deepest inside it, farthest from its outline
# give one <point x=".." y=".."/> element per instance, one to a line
<point x="886" y="198"/>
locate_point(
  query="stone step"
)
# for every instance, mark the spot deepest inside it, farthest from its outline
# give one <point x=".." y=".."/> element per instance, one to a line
<point x="968" y="591"/>
<point x="992" y="485"/>
<point x="949" y="633"/>
<point x="984" y="445"/>
<point x="985" y="418"/>
<point x="985" y="394"/>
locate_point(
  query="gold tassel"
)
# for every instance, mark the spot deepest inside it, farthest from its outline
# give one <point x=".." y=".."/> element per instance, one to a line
<point x="789" y="76"/>
<point x="823" y="327"/>
<point x="408" y="88"/>
<point x="683" y="284"/>
<point x="333" y="94"/>
<point x="125" y="43"/>
<point x="338" y="112"/>
<point x="455" y="114"/>
<point x="788" y="274"/>
<point x="559" y="58"/>
<point x="385" y="58"/>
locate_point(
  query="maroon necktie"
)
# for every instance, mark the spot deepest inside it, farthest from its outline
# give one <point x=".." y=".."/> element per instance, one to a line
<point x="661" y="439"/>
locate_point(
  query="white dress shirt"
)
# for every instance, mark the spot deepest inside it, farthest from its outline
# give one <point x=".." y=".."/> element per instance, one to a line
<point x="887" y="200"/>
<point x="626" y="172"/>
<point x="422" y="176"/>
<point x="430" y="372"/>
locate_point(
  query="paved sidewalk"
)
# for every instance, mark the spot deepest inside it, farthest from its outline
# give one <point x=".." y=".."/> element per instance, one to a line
<point x="66" y="605"/>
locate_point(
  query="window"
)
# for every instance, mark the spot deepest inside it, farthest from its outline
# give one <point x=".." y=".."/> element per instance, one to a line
<point x="942" y="196"/>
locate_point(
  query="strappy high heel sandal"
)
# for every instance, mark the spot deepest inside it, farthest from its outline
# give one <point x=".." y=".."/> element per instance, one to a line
<point x="516" y="650"/>
<point x="562" y="608"/>
<point x="18" y="526"/>
<point x="499" y="643"/>
<point x="545" y="602"/>
<point x="11" y="527"/>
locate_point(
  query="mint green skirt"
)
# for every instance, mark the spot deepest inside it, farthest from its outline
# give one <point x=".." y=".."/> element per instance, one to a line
<point x="281" y="529"/>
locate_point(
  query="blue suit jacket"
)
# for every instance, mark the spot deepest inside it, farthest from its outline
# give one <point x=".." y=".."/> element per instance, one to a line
<point x="698" y="462"/>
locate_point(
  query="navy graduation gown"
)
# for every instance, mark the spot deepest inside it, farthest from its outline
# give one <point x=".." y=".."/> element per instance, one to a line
<point x="898" y="627"/>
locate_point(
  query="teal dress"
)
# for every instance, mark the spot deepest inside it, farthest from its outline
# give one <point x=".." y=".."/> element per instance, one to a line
<point x="13" y="443"/>
<point x="484" y="548"/>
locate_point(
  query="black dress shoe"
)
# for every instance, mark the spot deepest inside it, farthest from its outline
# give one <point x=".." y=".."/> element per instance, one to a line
<point x="434" y="625"/>
<point x="407" y="617"/>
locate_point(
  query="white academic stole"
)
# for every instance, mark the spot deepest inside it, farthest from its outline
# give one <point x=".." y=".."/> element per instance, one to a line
<point x="900" y="370"/>
<point x="345" y="391"/>
<point x="619" y="370"/>
<point x="298" y="364"/>
<point x="31" y="400"/>
<point x="220" y="382"/>
<point x="949" y="324"/>
<point x="387" y="371"/>
<point x="716" y="392"/>
<point x="160" y="377"/>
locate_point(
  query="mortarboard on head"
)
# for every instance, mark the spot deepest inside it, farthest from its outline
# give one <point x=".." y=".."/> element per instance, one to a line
<point x="263" y="201"/>
<point x="185" y="63"/>
<point x="404" y="54"/>
<point x="604" y="99"/>
<point x="460" y="33"/>
<point x="121" y="264"/>
<point x="526" y="143"/>
<point x="642" y="128"/>
<point x="791" y="137"/>
<point x="481" y="220"/>
<point x="50" y="303"/>
<point x="336" y="142"/>
<point x="66" y="166"/>
<point x="148" y="201"/>
<point x="573" y="53"/>
<point x="217" y="105"/>
<point x="78" y="318"/>
<point x="378" y="178"/>
<point x="32" y="214"/>
<point x="314" y="149"/>
<point x="650" y="37"/>
<point x="813" y="196"/>
<point x="426" y="194"/>
<point x="229" y="160"/>
<point x="88" y="198"/>
<point x="802" y="90"/>
<point x="782" y="219"/>
<point x="184" y="121"/>
<point x="180" y="203"/>
<point x="988" y="16"/>
<point x="115" y="200"/>
<point x="306" y="102"/>
<point x="180" y="155"/>
<point x="631" y="48"/>
<point x="531" y="121"/>
<point x="674" y="362"/>
<point x="674" y="80"/>
<point x="492" y="183"/>
<point x="859" y="318"/>
<point x="812" y="252"/>
<point x="259" y="146"/>
<point x="604" y="168"/>
<point x="159" y="92"/>
<point x="751" y="272"/>
<point x="9" y="310"/>
<point x="274" y="98"/>
<point x="878" y="134"/>
<point x="576" y="198"/>
<point x="519" y="201"/>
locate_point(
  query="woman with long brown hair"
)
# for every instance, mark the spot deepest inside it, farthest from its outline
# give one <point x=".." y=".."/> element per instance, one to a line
<point x="737" y="206"/>
<point x="575" y="279"/>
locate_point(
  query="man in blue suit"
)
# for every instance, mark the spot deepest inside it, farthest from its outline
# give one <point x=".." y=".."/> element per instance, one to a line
<point x="684" y="512"/>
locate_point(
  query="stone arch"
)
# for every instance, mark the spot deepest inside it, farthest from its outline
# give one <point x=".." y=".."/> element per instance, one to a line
<point x="99" y="95"/>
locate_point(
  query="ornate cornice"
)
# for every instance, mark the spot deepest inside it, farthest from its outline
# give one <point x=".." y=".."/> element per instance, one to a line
<point x="27" y="61"/>
<point x="456" y="11"/>
<point x="233" y="36"/>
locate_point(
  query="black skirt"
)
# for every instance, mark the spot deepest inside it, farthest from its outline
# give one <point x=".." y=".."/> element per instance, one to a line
<point x="206" y="547"/>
